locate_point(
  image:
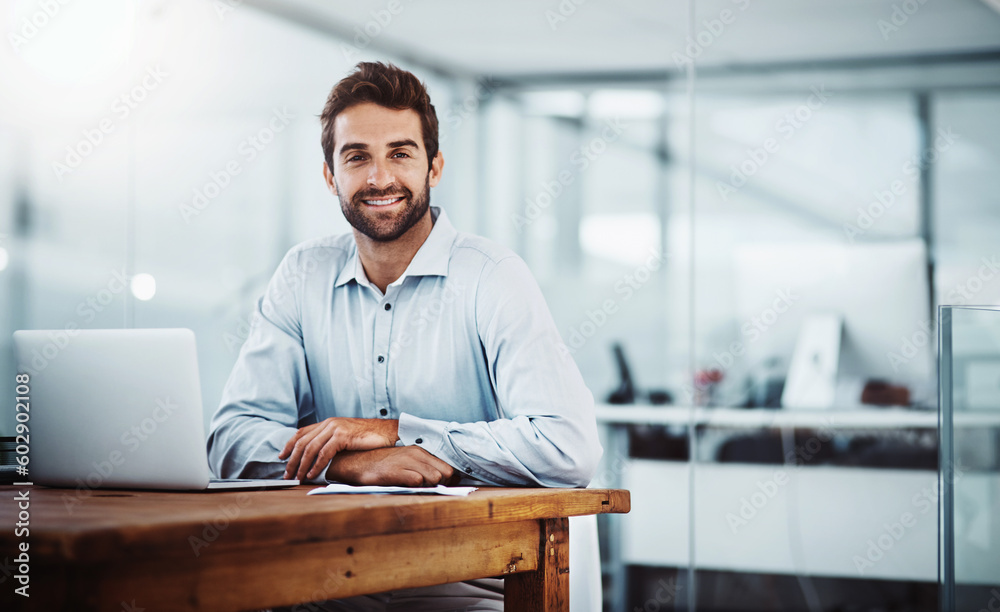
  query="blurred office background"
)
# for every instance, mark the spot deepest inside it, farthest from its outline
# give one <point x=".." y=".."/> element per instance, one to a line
<point x="697" y="182"/>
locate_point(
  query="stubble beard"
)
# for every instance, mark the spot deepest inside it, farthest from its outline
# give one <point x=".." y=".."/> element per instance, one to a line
<point x="386" y="226"/>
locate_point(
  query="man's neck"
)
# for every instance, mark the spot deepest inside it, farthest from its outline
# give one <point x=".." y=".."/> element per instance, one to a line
<point x="384" y="262"/>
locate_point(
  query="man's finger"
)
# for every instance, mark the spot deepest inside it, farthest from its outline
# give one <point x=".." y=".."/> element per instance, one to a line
<point x="299" y="447"/>
<point x="431" y="461"/>
<point x="327" y="452"/>
<point x="445" y="473"/>
<point x="321" y="446"/>
<point x="285" y="452"/>
<point x="306" y="450"/>
<point x="445" y="469"/>
<point x="407" y="478"/>
<point x="429" y="476"/>
<point x="430" y="473"/>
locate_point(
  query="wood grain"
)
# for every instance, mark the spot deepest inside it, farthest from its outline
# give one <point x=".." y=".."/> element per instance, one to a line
<point x="319" y="571"/>
<point x="547" y="588"/>
<point x="122" y="524"/>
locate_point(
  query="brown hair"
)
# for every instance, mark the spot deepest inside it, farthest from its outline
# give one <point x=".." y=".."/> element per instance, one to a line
<point x="385" y="85"/>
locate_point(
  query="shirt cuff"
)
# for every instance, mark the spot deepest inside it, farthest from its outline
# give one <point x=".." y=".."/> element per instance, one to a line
<point x="433" y="436"/>
<point x="425" y="433"/>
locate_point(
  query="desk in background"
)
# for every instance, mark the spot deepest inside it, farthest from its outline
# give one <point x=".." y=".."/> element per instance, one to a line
<point x="817" y="522"/>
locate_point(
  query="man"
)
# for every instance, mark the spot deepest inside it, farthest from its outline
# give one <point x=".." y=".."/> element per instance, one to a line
<point x="405" y="353"/>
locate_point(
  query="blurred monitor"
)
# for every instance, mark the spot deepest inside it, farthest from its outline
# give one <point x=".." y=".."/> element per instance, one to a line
<point x="880" y="291"/>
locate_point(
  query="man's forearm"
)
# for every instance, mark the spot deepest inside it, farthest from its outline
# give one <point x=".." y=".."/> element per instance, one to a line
<point x="313" y="446"/>
<point x="242" y="446"/>
<point x="404" y="466"/>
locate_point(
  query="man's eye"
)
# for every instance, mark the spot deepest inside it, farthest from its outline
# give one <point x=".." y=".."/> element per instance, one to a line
<point x="400" y="153"/>
<point x="355" y="158"/>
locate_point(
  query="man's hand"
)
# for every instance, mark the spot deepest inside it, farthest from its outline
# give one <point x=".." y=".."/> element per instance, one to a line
<point x="313" y="446"/>
<point x="406" y="466"/>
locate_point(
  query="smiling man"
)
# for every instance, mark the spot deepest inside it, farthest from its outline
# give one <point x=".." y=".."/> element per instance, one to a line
<point x="406" y="352"/>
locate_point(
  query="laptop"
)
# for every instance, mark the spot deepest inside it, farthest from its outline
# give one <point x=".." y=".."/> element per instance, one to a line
<point x="117" y="408"/>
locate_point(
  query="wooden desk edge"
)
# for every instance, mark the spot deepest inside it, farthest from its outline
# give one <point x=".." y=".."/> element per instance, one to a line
<point x="72" y="542"/>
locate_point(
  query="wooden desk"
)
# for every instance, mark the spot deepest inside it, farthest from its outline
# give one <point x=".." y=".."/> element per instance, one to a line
<point x="129" y="550"/>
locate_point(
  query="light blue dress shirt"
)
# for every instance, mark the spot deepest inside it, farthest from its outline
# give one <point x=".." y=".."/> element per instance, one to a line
<point x="461" y="349"/>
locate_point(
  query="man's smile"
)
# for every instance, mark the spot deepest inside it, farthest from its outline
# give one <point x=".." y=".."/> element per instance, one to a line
<point x="384" y="201"/>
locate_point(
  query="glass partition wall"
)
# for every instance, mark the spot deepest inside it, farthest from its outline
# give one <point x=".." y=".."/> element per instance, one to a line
<point x="742" y="217"/>
<point x="828" y="186"/>
<point x="970" y="432"/>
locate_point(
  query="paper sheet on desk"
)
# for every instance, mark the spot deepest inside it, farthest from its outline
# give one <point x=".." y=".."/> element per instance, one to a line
<point x="336" y="488"/>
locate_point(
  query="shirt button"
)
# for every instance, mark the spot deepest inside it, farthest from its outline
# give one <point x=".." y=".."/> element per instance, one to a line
<point x="381" y="359"/>
<point x="388" y="306"/>
<point x="419" y="440"/>
<point x="383" y="412"/>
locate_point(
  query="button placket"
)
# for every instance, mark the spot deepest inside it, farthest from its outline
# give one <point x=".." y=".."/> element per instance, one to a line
<point x="383" y="329"/>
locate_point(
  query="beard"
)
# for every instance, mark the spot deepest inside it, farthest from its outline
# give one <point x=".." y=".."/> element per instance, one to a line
<point x="386" y="226"/>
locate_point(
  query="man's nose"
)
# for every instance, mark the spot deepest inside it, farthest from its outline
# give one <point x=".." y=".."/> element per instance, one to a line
<point x="380" y="176"/>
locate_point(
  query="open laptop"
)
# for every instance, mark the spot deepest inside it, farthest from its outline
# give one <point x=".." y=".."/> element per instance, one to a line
<point x="118" y="408"/>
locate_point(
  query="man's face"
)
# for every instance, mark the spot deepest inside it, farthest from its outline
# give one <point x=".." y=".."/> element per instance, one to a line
<point x="380" y="170"/>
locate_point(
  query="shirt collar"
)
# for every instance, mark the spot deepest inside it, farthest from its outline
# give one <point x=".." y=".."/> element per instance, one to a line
<point x="431" y="259"/>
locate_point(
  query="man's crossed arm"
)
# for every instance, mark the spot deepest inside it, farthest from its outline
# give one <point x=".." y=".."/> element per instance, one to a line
<point x="407" y="466"/>
<point x="362" y="451"/>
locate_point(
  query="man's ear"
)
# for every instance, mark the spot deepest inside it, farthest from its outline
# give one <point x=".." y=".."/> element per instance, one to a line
<point x="328" y="178"/>
<point x="437" y="167"/>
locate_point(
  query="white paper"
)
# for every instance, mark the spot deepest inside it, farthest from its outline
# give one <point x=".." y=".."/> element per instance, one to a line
<point x="336" y="488"/>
